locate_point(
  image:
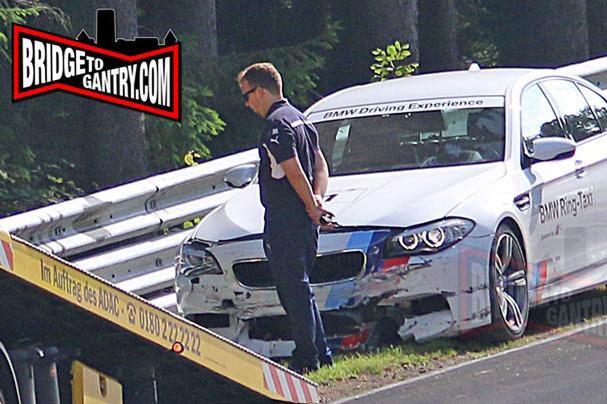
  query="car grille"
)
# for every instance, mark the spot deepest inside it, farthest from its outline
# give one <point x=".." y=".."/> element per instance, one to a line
<point x="327" y="268"/>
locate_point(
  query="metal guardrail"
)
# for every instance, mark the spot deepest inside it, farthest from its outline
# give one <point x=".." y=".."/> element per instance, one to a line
<point x="122" y="234"/>
<point x="129" y="234"/>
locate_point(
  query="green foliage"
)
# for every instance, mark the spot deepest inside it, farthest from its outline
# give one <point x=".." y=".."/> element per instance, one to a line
<point x="191" y="158"/>
<point x="18" y="11"/>
<point x="299" y="65"/>
<point x="210" y="93"/>
<point x="352" y="365"/>
<point x="417" y="358"/>
<point x="389" y="63"/>
<point x="476" y="31"/>
<point x="27" y="180"/>
<point x="26" y="183"/>
<point x="190" y="224"/>
<point x="30" y="177"/>
<point x="169" y="140"/>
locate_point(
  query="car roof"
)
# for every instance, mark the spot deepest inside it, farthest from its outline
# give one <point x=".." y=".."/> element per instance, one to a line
<point x="487" y="82"/>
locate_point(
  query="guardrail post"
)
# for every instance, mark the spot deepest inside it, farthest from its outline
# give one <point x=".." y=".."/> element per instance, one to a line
<point x="24" y="370"/>
<point x="45" y="374"/>
<point x="36" y="372"/>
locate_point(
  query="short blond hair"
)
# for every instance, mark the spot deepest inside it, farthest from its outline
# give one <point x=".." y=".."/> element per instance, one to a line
<point x="262" y="75"/>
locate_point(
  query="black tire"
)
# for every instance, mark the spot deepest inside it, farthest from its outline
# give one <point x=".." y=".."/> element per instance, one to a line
<point x="508" y="287"/>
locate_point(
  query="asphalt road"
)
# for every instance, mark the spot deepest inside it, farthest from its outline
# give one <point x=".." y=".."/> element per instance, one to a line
<point x="569" y="369"/>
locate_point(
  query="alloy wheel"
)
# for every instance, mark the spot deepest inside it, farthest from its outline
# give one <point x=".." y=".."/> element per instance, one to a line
<point x="511" y="282"/>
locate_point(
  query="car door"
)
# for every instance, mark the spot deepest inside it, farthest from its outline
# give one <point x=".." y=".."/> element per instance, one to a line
<point x="583" y="126"/>
<point x="589" y="129"/>
<point x="595" y="152"/>
<point x="557" y="236"/>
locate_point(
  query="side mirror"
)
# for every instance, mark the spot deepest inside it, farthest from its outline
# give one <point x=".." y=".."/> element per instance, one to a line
<point x="241" y="176"/>
<point x="552" y="148"/>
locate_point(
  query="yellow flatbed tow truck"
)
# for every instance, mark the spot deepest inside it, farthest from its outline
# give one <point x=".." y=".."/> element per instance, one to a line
<point x="67" y="336"/>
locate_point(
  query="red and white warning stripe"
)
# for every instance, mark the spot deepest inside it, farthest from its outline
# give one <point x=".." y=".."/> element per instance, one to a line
<point x="288" y="386"/>
<point x="6" y="256"/>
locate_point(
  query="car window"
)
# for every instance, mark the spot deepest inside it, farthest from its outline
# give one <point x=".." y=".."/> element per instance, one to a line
<point x="413" y="140"/>
<point x="598" y="104"/>
<point x="339" y="147"/>
<point x="573" y="107"/>
<point x="537" y="116"/>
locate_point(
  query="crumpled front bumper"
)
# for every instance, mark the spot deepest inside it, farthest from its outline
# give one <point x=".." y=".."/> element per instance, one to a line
<point x="435" y="295"/>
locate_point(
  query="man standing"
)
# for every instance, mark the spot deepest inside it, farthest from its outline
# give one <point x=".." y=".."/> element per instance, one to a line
<point x="293" y="179"/>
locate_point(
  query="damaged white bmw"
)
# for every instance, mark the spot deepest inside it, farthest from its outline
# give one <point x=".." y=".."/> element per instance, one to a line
<point x="463" y="199"/>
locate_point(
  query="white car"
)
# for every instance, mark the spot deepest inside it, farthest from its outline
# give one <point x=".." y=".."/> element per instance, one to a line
<point x="463" y="199"/>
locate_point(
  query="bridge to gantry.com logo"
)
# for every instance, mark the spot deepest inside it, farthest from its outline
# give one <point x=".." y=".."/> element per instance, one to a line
<point x="140" y="74"/>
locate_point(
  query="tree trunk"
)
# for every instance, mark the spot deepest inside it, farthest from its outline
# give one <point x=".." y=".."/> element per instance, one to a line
<point x="106" y="142"/>
<point x="208" y="28"/>
<point x="367" y="25"/>
<point x="114" y="138"/>
<point x="194" y="19"/>
<point x="547" y="33"/>
<point x="597" y="29"/>
<point x="437" y="36"/>
<point x="266" y="24"/>
<point x="313" y="18"/>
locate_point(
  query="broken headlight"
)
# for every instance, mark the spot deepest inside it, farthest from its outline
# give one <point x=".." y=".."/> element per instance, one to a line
<point x="194" y="260"/>
<point x="429" y="238"/>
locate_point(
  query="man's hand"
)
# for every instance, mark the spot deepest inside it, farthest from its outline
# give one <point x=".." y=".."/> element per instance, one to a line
<point x="318" y="199"/>
<point x="327" y="221"/>
<point x="320" y="217"/>
<point x="299" y="182"/>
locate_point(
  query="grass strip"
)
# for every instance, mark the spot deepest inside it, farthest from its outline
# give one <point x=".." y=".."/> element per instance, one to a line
<point x="443" y="352"/>
<point x="410" y="355"/>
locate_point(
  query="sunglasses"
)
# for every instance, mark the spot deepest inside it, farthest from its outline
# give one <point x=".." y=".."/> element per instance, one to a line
<point x="246" y="95"/>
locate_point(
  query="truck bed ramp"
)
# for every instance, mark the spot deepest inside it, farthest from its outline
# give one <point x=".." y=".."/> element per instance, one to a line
<point x="46" y="298"/>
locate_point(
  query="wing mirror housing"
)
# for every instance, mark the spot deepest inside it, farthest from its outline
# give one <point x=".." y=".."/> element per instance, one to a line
<point x="551" y="148"/>
<point x="241" y="176"/>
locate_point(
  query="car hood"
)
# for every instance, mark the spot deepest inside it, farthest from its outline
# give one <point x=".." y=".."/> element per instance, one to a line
<point x="387" y="199"/>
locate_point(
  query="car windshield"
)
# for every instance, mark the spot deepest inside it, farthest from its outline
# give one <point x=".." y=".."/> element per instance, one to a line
<point x="413" y="140"/>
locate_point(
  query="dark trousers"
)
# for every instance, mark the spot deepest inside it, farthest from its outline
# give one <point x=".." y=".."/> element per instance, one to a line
<point x="291" y="254"/>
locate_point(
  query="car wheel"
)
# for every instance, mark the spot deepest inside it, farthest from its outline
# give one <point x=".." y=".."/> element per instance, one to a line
<point x="508" y="286"/>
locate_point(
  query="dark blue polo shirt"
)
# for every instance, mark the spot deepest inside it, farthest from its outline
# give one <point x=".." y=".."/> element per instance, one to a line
<point x="288" y="134"/>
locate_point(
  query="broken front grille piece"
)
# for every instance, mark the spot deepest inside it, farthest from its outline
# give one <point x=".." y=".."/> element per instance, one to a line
<point x="327" y="268"/>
